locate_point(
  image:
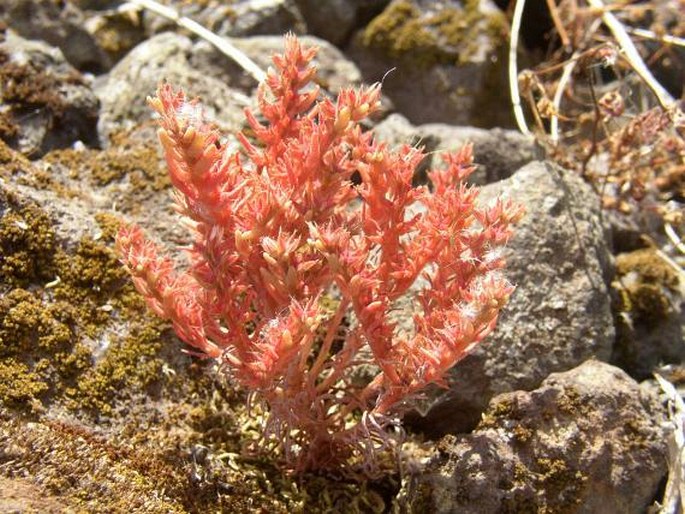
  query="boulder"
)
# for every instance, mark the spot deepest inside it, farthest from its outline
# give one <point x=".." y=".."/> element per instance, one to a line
<point x="60" y="24"/>
<point x="439" y="61"/>
<point x="44" y="102"/>
<point x="165" y="57"/>
<point x="588" y="440"/>
<point x="560" y="314"/>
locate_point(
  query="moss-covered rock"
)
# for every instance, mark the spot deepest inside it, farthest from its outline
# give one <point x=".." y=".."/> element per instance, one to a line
<point x="46" y="103"/>
<point x="446" y="58"/>
<point x="548" y="450"/>
<point x="429" y="35"/>
<point x="648" y="303"/>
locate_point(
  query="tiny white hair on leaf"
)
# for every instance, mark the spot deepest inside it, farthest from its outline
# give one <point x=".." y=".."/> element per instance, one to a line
<point x="468" y="310"/>
<point x="190" y="112"/>
<point x="493" y="255"/>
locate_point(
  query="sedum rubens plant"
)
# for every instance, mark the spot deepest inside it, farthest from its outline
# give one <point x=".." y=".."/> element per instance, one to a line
<point x="287" y="250"/>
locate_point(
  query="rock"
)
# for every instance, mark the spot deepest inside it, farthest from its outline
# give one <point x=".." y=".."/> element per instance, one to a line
<point x="116" y="31"/>
<point x="335" y="71"/>
<point x="263" y="17"/>
<point x="203" y="72"/>
<point x="587" y="441"/>
<point x="96" y="5"/>
<point x="42" y="201"/>
<point x="447" y="60"/>
<point x="45" y="103"/>
<point x="165" y="57"/>
<point x="335" y="20"/>
<point x="20" y="495"/>
<point x="650" y="313"/>
<point x="236" y="19"/>
<point x="60" y="24"/>
<point x="559" y="315"/>
<point x="497" y="152"/>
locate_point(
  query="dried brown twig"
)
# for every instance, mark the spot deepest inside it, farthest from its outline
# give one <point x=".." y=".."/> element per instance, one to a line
<point x="598" y="108"/>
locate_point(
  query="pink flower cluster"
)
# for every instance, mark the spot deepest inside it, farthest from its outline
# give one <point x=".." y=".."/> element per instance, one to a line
<point x="295" y="268"/>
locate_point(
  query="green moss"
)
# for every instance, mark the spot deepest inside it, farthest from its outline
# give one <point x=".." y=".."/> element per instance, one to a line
<point x="19" y="386"/>
<point x="118" y="33"/>
<point x="645" y="283"/>
<point x="140" y="163"/>
<point x="562" y="484"/>
<point x="109" y="224"/>
<point x="27" y="243"/>
<point x="558" y="487"/>
<point x="651" y="268"/>
<point x="39" y="345"/>
<point x="89" y="473"/>
<point x="28" y="325"/>
<point x="129" y="365"/>
<point x="6" y="153"/>
<point x="125" y="161"/>
<point x="8" y="127"/>
<point x="522" y="434"/>
<point x="646" y="294"/>
<point x="30" y="87"/>
<point x="398" y="31"/>
<point x="503" y="408"/>
<point x="448" y="36"/>
<point x="46" y="333"/>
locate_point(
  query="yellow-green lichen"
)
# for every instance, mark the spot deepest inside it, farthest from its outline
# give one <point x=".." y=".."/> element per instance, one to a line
<point x="125" y="158"/>
<point x="448" y="36"/>
<point x="27" y="242"/>
<point x="19" y="386"/>
<point x="130" y="365"/>
<point x="127" y="162"/>
<point x="48" y="333"/>
<point x="646" y="283"/>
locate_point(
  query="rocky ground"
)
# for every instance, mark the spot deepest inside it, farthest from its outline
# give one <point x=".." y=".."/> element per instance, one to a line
<point x="100" y="411"/>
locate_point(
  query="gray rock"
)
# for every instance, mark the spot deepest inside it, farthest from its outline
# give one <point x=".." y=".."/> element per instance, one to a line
<point x="96" y="5"/>
<point x="335" y="71"/>
<point x="264" y="17"/>
<point x="335" y="20"/>
<point x="650" y="313"/>
<point x="71" y="218"/>
<point x="236" y="19"/>
<point x="447" y="60"/>
<point x="47" y="103"/>
<point x="116" y="32"/>
<point x="587" y="441"/>
<point x="560" y="313"/>
<point x="165" y="57"/>
<point x="60" y="24"/>
<point x="497" y="152"/>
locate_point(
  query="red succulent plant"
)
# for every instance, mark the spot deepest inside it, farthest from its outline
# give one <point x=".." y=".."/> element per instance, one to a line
<point x="294" y="268"/>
